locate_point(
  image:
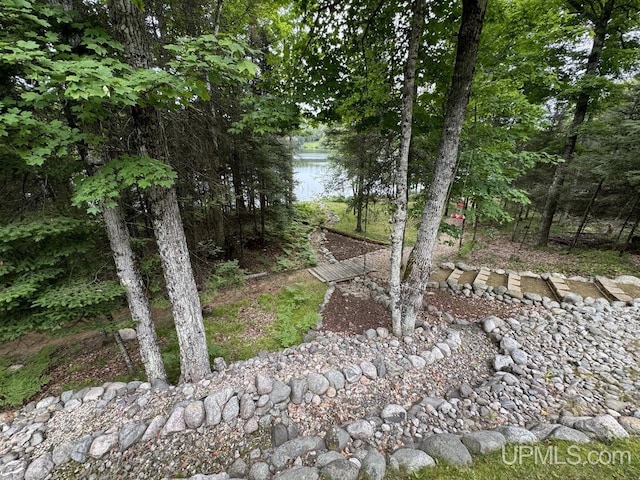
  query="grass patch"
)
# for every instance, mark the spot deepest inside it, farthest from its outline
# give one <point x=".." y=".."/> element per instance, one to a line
<point x="378" y="221"/>
<point x="239" y="330"/>
<point x="584" y="262"/>
<point x="556" y="460"/>
<point x="16" y="386"/>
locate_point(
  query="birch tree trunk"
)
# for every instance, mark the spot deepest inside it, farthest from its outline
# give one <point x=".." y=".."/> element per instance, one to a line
<point x="167" y="223"/>
<point x="580" y="113"/>
<point x="402" y="167"/>
<point x="419" y="264"/>
<point x="134" y="287"/>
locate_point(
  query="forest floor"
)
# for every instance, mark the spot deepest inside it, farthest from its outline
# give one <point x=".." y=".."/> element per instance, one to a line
<point x="85" y="357"/>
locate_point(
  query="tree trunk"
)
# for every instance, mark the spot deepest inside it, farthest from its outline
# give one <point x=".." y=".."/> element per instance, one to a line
<point x="134" y="287"/>
<point x="587" y="211"/>
<point x="582" y="105"/>
<point x="419" y="264"/>
<point x="167" y="224"/>
<point x="406" y="121"/>
<point x="123" y="350"/>
<point x="181" y="286"/>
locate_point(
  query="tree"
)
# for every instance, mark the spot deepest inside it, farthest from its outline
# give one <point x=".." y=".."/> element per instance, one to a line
<point x="419" y="263"/>
<point x="606" y="18"/>
<point x="129" y="22"/>
<point x="402" y="167"/>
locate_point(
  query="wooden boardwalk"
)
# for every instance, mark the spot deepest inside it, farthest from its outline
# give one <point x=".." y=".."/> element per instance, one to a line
<point x="340" y="271"/>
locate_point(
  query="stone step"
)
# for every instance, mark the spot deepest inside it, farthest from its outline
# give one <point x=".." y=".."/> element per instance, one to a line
<point x="454" y="276"/>
<point x="559" y="286"/>
<point x="609" y="287"/>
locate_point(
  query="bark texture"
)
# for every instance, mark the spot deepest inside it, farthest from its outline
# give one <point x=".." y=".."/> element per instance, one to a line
<point x="134" y="287"/>
<point x="406" y="121"/>
<point x="580" y="113"/>
<point x="167" y="223"/>
<point x="419" y="264"/>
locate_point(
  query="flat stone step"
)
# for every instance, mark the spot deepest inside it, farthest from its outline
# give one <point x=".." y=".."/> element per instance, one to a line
<point x="559" y="286"/>
<point x="611" y="288"/>
<point x="482" y="277"/>
<point x="454" y="276"/>
<point x="513" y="282"/>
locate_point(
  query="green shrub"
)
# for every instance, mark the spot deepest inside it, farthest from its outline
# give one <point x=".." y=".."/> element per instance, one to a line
<point x="226" y="274"/>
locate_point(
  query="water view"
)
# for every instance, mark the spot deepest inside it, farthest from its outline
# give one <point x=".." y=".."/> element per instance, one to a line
<point x="311" y="170"/>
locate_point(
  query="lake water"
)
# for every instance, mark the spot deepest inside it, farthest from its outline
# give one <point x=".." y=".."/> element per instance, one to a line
<point x="310" y="172"/>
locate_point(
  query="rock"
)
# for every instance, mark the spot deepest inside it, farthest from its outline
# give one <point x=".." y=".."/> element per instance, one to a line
<point x="39" y="468"/>
<point x="103" y="444"/>
<point x="154" y="428"/>
<point x="280" y="392"/>
<point x="572" y="298"/>
<point x="519" y="356"/>
<point x="13" y="470"/>
<point x="264" y="384"/>
<point x="507" y="344"/>
<point x="259" y="471"/>
<point x="46" y="402"/>
<point x="568" y="434"/>
<point x="175" y="422"/>
<point x="336" y="438"/>
<point x="251" y="426"/>
<point x="534" y="297"/>
<point x="238" y="469"/>
<point x="352" y="373"/>
<point x="299" y="387"/>
<point x="381" y="369"/>
<point x="294" y="448"/>
<point x="221" y="397"/>
<point x="447" y="447"/>
<point x="340" y="469"/>
<point x="130" y="434"/>
<point x="465" y="390"/>
<point x="360" y="430"/>
<point x="543" y="430"/>
<point x="336" y="379"/>
<point x="213" y="412"/>
<point x="327" y="457"/>
<point x="219" y="364"/>
<point x="81" y="449"/>
<point x="483" y="441"/>
<point x="502" y="362"/>
<point x="630" y="424"/>
<point x="393" y="413"/>
<point x="194" y="414"/>
<point x="602" y="427"/>
<point x="298" y="473"/>
<point x="93" y="394"/>
<point x="417" y="362"/>
<point x="369" y="370"/>
<point x="247" y="406"/>
<point x="279" y="434"/>
<point x="444" y="348"/>
<point x="374" y="466"/>
<point x="517" y="434"/>
<point x="128" y="334"/>
<point x="410" y="460"/>
<point x="62" y="453"/>
<point x="318" y="384"/>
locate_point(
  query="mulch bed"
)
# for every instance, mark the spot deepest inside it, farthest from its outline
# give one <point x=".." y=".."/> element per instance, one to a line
<point x="351" y="314"/>
<point x="354" y="315"/>
<point x="344" y="247"/>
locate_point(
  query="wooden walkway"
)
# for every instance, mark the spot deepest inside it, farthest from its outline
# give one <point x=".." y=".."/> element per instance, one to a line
<point x="340" y="271"/>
